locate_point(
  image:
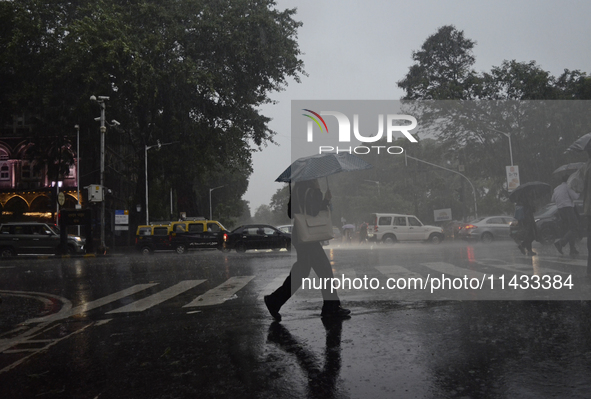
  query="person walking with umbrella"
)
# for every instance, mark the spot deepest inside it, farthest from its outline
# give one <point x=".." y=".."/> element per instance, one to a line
<point x="583" y="143"/>
<point x="529" y="224"/>
<point x="524" y="197"/>
<point x="563" y="197"/>
<point x="310" y="255"/>
<point x="306" y="197"/>
<point x="587" y="207"/>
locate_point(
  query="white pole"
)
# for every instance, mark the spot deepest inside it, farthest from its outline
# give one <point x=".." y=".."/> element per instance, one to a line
<point x="146" y="166"/>
<point x="78" y="167"/>
<point x="210" y="190"/>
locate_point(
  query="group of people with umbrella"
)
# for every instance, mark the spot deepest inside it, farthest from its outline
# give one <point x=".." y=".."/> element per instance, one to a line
<point x="575" y="183"/>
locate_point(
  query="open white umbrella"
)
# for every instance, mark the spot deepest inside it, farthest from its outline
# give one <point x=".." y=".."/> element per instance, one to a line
<point x="322" y="165"/>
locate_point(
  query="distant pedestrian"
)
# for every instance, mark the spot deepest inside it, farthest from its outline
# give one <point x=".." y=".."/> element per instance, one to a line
<point x="587" y="208"/>
<point x="563" y="197"/>
<point x="528" y="224"/>
<point x="363" y="233"/>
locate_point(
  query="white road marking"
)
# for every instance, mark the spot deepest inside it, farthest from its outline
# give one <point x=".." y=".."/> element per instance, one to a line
<point x="94" y="304"/>
<point x="159" y="297"/>
<point x="272" y="286"/>
<point x="453" y="270"/>
<point x="397" y="272"/>
<point x="221" y="293"/>
<point x="519" y="268"/>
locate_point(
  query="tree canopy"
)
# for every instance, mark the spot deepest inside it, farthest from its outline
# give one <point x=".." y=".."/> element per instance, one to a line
<point x="510" y="104"/>
<point x="193" y="72"/>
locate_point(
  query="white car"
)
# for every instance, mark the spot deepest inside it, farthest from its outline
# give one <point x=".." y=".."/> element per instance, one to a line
<point x="392" y="227"/>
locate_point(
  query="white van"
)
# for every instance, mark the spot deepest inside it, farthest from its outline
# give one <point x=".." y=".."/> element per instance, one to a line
<point x="392" y="227"/>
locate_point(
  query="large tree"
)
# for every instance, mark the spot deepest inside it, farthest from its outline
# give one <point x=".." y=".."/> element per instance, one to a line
<point x="442" y="68"/>
<point x="509" y="106"/>
<point x="192" y="72"/>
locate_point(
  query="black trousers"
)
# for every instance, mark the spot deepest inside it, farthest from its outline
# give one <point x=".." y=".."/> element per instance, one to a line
<point x="569" y="220"/>
<point x="311" y="255"/>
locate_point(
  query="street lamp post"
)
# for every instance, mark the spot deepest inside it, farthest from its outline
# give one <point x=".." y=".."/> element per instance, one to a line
<point x="376" y="182"/>
<point x="508" y="135"/>
<point x="210" y="190"/>
<point x="101" y="100"/>
<point x="77" y="127"/>
<point x="146" y="148"/>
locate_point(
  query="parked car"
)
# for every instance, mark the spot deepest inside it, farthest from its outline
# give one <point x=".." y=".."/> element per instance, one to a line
<point x="487" y="229"/>
<point x="153" y="238"/>
<point x="390" y="228"/>
<point x="35" y="238"/>
<point x="550" y="226"/>
<point x="196" y="234"/>
<point x="256" y="236"/>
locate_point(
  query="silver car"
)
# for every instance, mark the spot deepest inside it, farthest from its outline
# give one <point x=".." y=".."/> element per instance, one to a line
<point x="487" y="229"/>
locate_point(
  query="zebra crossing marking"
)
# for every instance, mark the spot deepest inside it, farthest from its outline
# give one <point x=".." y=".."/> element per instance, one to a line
<point x="157" y="298"/>
<point x="221" y="293"/>
<point x="520" y="268"/>
<point x="397" y="271"/>
<point x="272" y="286"/>
<point x="448" y="268"/>
<point x="94" y="304"/>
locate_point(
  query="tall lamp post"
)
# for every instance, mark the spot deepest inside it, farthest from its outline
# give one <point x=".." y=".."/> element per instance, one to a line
<point x="210" y="190"/>
<point x="77" y="127"/>
<point x="101" y="100"/>
<point x="508" y="135"/>
<point x="146" y="148"/>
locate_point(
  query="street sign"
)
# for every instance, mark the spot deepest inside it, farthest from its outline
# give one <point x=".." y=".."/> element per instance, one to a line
<point x="442" y="215"/>
<point x="121" y="216"/>
<point x="512" y="177"/>
<point x="61" y="198"/>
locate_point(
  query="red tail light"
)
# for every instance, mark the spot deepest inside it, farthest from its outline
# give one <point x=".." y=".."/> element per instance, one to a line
<point x="470" y="226"/>
<point x="225" y="237"/>
<point x="375" y="229"/>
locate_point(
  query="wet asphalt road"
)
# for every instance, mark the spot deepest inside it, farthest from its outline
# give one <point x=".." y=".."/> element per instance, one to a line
<point x="120" y="327"/>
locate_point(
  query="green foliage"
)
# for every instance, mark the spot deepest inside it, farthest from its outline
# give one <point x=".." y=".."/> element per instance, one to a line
<point x="191" y="72"/>
<point x="508" y="103"/>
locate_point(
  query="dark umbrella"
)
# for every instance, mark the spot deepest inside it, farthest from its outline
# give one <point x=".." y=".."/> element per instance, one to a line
<point x="583" y="143"/>
<point x="568" y="168"/>
<point x="322" y="165"/>
<point x="535" y="188"/>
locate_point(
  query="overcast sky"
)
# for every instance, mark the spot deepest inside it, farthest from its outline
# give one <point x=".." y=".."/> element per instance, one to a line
<point x="358" y="50"/>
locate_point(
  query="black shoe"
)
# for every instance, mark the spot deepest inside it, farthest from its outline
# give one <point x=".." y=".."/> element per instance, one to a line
<point x="574" y="252"/>
<point x="273" y="307"/>
<point x="531" y="253"/>
<point x="521" y="249"/>
<point x="558" y="246"/>
<point x="335" y="312"/>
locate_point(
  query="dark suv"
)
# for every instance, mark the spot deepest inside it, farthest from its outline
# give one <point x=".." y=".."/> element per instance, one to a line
<point x="550" y="226"/>
<point x="35" y="238"/>
<point x="153" y="238"/>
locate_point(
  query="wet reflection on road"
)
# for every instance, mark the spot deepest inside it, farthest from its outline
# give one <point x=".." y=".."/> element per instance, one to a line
<point x="322" y="379"/>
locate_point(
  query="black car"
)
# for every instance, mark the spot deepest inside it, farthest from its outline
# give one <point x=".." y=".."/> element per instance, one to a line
<point x="256" y="236"/>
<point x="550" y="226"/>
